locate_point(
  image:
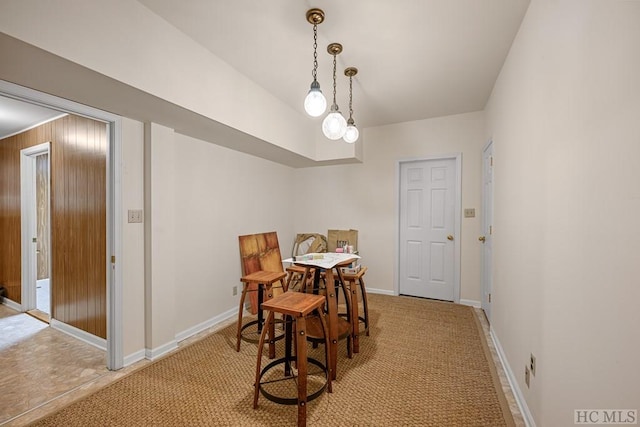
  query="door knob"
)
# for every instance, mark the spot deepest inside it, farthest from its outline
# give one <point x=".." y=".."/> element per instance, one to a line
<point x="482" y="239"/>
<point x="449" y="237"/>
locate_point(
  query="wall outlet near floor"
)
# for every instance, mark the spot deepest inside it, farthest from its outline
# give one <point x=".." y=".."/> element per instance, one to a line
<point x="533" y="365"/>
<point x="234" y="290"/>
<point x="527" y="375"/>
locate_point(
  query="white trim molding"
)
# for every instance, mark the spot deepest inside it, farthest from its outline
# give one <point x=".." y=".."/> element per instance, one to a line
<point x="522" y="403"/>
<point x="214" y="321"/>
<point x="470" y="302"/>
<point x="12" y="305"/>
<point x="154" y="353"/>
<point x="381" y="291"/>
<point x="134" y="357"/>
<point x="83" y="336"/>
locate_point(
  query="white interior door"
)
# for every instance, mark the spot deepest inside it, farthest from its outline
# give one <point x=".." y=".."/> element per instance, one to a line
<point x="487" y="228"/>
<point x="428" y="202"/>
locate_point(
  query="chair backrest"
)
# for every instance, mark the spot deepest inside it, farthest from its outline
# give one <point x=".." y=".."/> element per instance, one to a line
<point x="260" y="251"/>
<point x="306" y="243"/>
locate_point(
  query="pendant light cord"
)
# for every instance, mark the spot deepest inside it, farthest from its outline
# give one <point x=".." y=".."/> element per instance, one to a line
<point x="334" y="82"/>
<point x="314" y="73"/>
<point x="350" y="97"/>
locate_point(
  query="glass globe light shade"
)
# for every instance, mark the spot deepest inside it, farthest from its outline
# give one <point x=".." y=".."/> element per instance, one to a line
<point x="352" y="134"/>
<point x="315" y="103"/>
<point x="334" y="125"/>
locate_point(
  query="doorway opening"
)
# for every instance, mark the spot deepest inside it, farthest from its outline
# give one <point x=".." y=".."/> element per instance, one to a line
<point x="113" y="344"/>
<point x="36" y="230"/>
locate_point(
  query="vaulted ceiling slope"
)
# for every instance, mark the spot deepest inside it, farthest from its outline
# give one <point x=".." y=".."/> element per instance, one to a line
<point x="417" y="59"/>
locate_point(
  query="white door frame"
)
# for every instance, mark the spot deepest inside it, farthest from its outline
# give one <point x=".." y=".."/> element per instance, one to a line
<point x="114" y="342"/>
<point x="28" y="222"/>
<point x="487" y="219"/>
<point x="457" y="222"/>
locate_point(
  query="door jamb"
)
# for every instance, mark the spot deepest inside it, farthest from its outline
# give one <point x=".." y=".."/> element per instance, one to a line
<point x="457" y="220"/>
<point x="487" y="276"/>
<point x="28" y="217"/>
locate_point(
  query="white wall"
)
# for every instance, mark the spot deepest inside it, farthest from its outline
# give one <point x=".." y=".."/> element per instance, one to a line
<point x="364" y="196"/>
<point x="565" y="119"/>
<point x="132" y="237"/>
<point x="201" y="197"/>
<point x="221" y="194"/>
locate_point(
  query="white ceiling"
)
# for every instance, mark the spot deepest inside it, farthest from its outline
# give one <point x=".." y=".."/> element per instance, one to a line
<point x="16" y="116"/>
<point x="417" y="59"/>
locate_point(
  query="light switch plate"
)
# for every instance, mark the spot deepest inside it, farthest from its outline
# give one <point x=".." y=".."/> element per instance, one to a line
<point x="135" y="215"/>
<point x="470" y="213"/>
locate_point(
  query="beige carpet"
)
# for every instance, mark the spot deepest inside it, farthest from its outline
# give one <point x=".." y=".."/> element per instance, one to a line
<point x="424" y="364"/>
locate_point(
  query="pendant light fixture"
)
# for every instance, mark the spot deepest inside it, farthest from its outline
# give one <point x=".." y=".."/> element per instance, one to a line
<point x="351" y="134"/>
<point x="334" y="125"/>
<point x="315" y="103"/>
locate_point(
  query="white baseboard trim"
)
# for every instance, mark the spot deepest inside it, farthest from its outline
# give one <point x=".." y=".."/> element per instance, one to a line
<point x="380" y="291"/>
<point x="154" y="353"/>
<point x="206" y="324"/>
<point x="133" y="358"/>
<point x="79" y="334"/>
<point x="12" y="305"/>
<point x="470" y="302"/>
<point x="522" y="403"/>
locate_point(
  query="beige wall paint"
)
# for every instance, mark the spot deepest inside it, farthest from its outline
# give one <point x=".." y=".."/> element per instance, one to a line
<point x="132" y="237"/>
<point x="564" y="117"/>
<point x="364" y="196"/>
<point x="220" y="194"/>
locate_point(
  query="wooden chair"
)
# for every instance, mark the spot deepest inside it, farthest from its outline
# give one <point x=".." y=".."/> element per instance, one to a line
<point x="263" y="278"/>
<point x="296" y="307"/>
<point x="304" y="243"/>
<point x="353" y="282"/>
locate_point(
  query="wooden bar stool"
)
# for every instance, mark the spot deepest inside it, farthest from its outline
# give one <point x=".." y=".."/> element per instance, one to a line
<point x="262" y="282"/>
<point x="295" y="306"/>
<point x="353" y="282"/>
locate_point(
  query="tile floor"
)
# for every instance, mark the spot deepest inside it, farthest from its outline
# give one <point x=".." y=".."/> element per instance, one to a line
<point x="43" y="369"/>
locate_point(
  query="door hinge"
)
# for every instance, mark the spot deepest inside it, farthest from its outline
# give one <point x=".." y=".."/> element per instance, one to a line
<point x="489" y="297"/>
<point x="113" y="259"/>
<point x="491" y="161"/>
<point x="490" y="230"/>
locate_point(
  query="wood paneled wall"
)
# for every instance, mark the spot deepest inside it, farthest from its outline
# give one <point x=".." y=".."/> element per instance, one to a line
<point x="78" y="218"/>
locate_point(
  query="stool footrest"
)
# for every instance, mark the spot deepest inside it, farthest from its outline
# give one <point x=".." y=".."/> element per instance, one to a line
<point x="286" y="400"/>
<point x="256" y="340"/>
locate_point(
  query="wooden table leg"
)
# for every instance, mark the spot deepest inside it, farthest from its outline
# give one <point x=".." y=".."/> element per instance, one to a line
<point x="332" y="324"/>
<point x="355" y="321"/>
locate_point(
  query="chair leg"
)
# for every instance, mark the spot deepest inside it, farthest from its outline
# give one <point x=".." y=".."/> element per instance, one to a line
<point x="240" y="311"/>
<point x="256" y="390"/>
<point x="301" y="358"/>
<point x="365" y="305"/>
